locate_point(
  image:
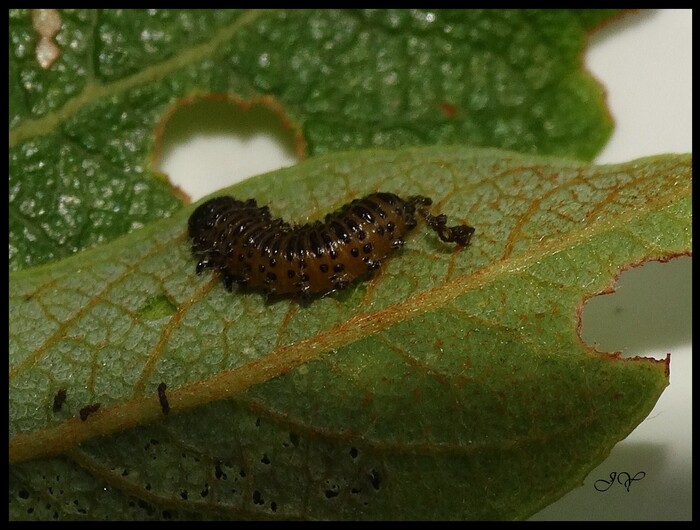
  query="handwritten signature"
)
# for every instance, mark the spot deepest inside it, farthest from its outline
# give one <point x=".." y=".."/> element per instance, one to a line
<point x="624" y="479"/>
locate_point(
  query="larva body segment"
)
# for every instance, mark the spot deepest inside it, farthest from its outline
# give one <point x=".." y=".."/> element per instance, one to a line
<point x="249" y="247"/>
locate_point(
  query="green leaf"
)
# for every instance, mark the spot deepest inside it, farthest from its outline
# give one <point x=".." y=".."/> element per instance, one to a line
<point x="452" y="385"/>
<point x="83" y="132"/>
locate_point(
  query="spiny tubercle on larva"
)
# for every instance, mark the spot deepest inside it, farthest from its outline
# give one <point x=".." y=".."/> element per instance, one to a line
<point x="248" y="247"/>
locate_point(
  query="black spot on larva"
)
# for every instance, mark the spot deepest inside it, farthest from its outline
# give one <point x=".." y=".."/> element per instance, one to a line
<point x="59" y="399"/>
<point x="316" y="246"/>
<point x="361" y="211"/>
<point x="351" y="224"/>
<point x="87" y="410"/>
<point x="371" y="264"/>
<point x="338" y="229"/>
<point x="241" y="241"/>
<point x="164" y="405"/>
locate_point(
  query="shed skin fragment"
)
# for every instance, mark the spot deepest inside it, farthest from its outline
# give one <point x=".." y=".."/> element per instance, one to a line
<point x="47" y="23"/>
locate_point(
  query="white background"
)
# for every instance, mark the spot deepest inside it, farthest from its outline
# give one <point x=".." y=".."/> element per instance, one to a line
<point x="644" y="61"/>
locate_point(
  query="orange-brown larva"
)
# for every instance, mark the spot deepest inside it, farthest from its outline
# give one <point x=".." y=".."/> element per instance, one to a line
<point x="250" y="248"/>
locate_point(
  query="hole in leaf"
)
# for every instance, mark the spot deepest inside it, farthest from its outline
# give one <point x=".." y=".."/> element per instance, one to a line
<point x="649" y="312"/>
<point x="211" y="144"/>
<point x="156" y="307"/>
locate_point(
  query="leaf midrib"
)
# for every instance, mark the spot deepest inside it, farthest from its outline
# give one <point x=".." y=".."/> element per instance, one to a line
<point x="55" y="440"/>
<point x="95" y="91"/>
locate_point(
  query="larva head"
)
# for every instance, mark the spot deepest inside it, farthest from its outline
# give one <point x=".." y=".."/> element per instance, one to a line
<point x="205" y="215"/>
<point x="205" y="228"/>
